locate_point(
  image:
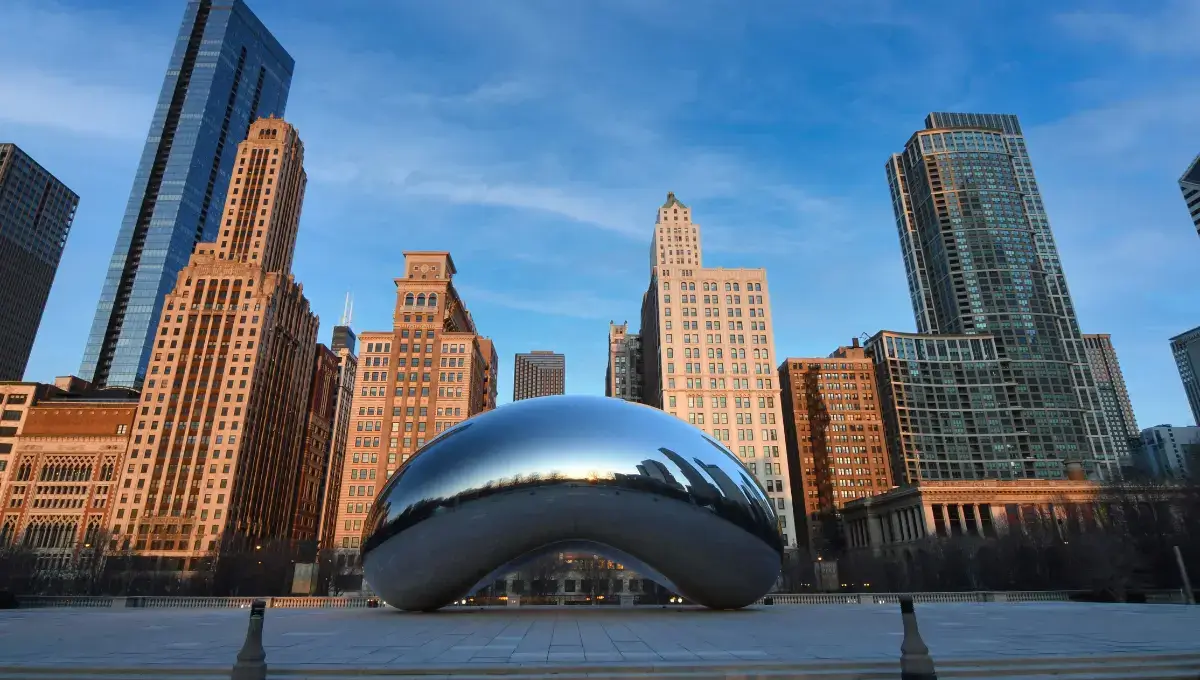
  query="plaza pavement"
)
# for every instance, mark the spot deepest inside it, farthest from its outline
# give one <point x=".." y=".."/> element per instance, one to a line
<point x="547" y="640"/>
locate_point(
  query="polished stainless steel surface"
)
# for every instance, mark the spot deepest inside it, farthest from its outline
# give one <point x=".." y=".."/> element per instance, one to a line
<point x="635" y="484"/>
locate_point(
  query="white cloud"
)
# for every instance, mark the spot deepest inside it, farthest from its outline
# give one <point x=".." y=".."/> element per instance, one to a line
<point x="575" y="304"/>
<point x="1135" y="132"/>
<point x="1171" y="30"/>
<point x="39" y="99"/>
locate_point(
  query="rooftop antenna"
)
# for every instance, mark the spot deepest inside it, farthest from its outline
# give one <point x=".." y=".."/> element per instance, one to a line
<point x="347" y="310"/>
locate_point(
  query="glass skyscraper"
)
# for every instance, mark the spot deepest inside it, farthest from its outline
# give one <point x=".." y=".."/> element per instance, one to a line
<point x="225" y="71"/>
<point x="1189" y="184"/>
<point x="981" y="260"/>
<point x="36" y="211"/>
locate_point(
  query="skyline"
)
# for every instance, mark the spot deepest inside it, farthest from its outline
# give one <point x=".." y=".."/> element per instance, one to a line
<point x="436" y="170"/>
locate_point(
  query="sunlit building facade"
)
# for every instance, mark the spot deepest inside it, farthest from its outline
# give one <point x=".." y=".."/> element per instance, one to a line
<point x="220" y="433"/>
<point x="708" y="353"/>
<point x="62" y="452"/>
<point x="431" y="371"/>
<point x="834" y="431"/>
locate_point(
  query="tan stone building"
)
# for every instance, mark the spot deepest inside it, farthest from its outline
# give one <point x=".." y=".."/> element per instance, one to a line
<point x="62" y="450"/>
<point x="430" y="372"/>
<point x="708" y="352"/>
<point x="835" y="437"/>
<point x="217" y="444"/>
<point x="623" y="378"/>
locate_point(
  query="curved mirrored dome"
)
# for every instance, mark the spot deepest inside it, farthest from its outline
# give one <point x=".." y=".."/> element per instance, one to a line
<point x="631" y="482"/>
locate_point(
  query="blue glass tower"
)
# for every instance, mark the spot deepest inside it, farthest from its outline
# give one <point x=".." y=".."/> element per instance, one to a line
<point x="981" y="261"/>
<point x="225" y="71"/>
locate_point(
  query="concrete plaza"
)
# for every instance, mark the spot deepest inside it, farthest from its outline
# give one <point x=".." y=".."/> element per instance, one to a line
<point x="551" y="639"/>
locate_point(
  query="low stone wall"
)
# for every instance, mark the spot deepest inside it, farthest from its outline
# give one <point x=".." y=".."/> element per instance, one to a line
<point x="39" y="601"/>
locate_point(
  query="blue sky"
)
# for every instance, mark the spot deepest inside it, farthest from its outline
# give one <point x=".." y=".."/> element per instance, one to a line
<point x="534" y="140"/>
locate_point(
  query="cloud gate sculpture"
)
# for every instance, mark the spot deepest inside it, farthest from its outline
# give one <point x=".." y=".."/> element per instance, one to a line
<point x="627" y="481"/>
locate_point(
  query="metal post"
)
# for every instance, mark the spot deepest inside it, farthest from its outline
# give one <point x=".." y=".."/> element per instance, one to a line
<point x="915" y="662"/>
<point x="252" y="660"/>
<point x="1188" y="596"/>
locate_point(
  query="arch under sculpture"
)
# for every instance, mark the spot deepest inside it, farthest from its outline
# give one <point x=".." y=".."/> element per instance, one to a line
<point x="624" y="480"/>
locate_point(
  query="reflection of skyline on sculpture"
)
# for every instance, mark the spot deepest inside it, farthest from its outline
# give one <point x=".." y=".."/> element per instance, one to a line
<point x="631" y="481"/>
<point x="556" y="451"/>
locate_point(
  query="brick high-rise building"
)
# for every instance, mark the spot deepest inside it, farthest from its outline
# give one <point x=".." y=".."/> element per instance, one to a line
<point x="981" y="261"/>
<point x="835" y="440"/>
<point x="623" y="377"/>
<point x="540" y="373"/>
<point x="62" y="450"/>
<point x="1114" y="398"/>
<point x="430" y="372"/>
<point x="488" y="350"/>
<point x="36" y="211"/>
<point x="331" y="488"/>
<point x="708" y="352"/>
<point x="318" y="443"/>
<point x="221" y="430"/>
<point x="225" y="70"/>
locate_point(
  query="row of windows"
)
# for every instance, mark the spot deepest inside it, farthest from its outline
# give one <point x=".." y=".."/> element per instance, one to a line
<point x="709" y="285"/>
<point x="716" y="299"/>
<point x="421" y="300"/>
<point x="755" y="312"/>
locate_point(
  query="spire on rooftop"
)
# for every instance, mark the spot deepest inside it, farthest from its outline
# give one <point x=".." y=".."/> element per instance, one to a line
<point x="671" y="200"/>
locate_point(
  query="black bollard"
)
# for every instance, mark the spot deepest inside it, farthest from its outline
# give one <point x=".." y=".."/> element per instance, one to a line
<point x="915" y="662"/>
<point x="252" y="660"/>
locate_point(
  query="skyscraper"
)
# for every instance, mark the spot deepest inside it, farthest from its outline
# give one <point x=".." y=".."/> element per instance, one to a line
<point x="1186" y="349"/>
<point x="622" y="378"/>
<point x="981" y="261"/>
<point x="835" y="440"/>
<point x="36" y="211"/>
<point x="331" y="490"/>
<point x="1189" y="184"/>
<point x="308" y="499"/>
<point x="1169" y="452"/>
<point x="1114" y="398"/>
<point x="431" y="371"/>
<point x="539" y="373"/>
<point x="218" y="443"/>
<point x="718" y="377"/>
<point x="226" y="71"/>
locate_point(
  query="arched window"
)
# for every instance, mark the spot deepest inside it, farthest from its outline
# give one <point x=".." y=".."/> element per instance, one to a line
<point x="421" y="300"/>
<point x="409" y="300"/>
<point x="433" y="299"/>
<point x="728" y="286"/>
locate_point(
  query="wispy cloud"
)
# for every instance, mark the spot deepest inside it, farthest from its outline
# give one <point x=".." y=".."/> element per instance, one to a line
<point x="1137" y="131"/>
<point x="39" y="99"/>
<point x="1148" y="28"/>
<point x="575" y="304"/>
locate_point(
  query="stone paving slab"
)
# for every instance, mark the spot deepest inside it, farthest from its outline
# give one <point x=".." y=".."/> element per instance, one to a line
<point x="585" y="636"/>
